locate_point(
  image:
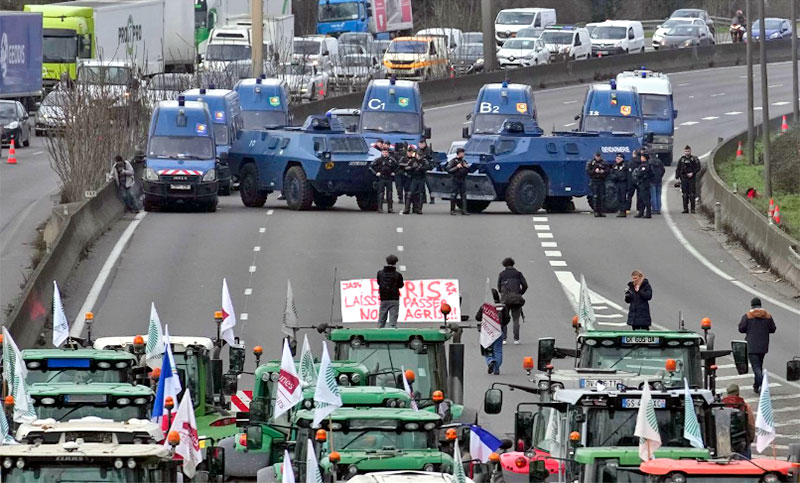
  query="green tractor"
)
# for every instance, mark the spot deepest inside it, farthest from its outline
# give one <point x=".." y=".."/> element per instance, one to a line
<point x="63" y="401"/>
<point x="82" y="365"/>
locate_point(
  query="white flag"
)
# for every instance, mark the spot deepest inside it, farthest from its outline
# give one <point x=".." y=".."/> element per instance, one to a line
<point x="553" y="433"/>
<point x="60" y="324"/>
<point x="155" y="340"/>
<point x="765" y="420"/>
<point x="312" y="467"/>
<point x="586" y="317"/>
<point x="289" y="311"/>
<point x="407" y="389"/>
<point x="228" y="315"/>
<point x="647" y="426"/>
<point x="691" y="428"/>
<point x="288" y="471"/>
<point x="290" y="392"/>
<point x="5" y="431"/>
<point x="491" y="328"/>
<point x="15" y="372"/>
<point x="458" y="466"/>
<point x="10" y="352"/>
<point x="308" y="373"/>
<point x="186" y="425"/>
<point x="326" y="396"/>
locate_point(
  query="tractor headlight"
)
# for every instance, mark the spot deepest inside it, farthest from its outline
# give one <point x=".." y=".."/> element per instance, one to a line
<point x="131" y="463"/>
<point x="123" y="401"/>
<point x="104" y="365"/>
<point x="118" y="464"/>
<point x="355" y="378"/>
<point x="352" y="470"/>
<point x="343" y="380"/>
<point x="34" y="364"/>
<point x="8" y="463"/>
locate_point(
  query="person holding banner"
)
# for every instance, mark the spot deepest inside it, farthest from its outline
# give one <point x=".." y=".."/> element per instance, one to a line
<point x="512" y="284"/>
<point x="390" y="281"/>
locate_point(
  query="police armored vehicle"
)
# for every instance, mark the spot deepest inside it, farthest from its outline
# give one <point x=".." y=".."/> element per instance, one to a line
<point x="498" y="103"/>
<point x="392" y="111"/>
<point x="609" y="108"/>
<point x="265" y="103"/>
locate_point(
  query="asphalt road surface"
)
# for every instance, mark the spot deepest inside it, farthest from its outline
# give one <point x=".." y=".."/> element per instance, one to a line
<point x="178" y="260"/>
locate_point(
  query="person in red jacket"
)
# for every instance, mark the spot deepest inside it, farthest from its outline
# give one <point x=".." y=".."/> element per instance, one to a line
<point x="732" y="399"/>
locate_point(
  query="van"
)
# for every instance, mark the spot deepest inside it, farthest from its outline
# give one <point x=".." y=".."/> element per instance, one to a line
<point x="419" y="58"/>
<point x="265" y="103"/>
<point x="567" y="41"/>
<point x="612" y="109"/>
<point x="454" y="37"/>
<point x="658" y="109"/>
<point x="509" y="21"/>
<point x="317" y="50"/>
<point x="392" y="111"/>
<point x="617" y="37"/>
<point x="230" y="43"/>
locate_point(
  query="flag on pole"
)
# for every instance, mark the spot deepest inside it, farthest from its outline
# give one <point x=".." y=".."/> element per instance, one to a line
<point x="312" y="467"/>
<point x="491" y="329"/>
<point x="308" y="373"/>
<point x="691" y="428"/>
<point x="5" y="431"/>
<point x="10" y="351"/>
<point x="228" y="315"/>
<point x="647" y="426"/>
<point x="60" y="324"/>
<point x="169" y="384"/>
<point x="553" y="434"/>
<point x="290" y="392"/>
<point x="288" y="471"/>
<point x="407" y="389"/>
<point x="186" y="425"/>
<point x="289" y="311"/>
<point x="15" y="372"/>
<point x="586" y="317"/>
<point x="482" y="443"/>
<point x="458" y="466"/>
<point x="155" y="339"/>
<point x="765" y="420"/>
<point x="168" y="352"/>
<point x="327" y="396"/>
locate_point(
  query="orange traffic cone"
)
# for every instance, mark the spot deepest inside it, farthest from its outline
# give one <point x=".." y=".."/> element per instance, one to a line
<point x="739" y="152"/>
<point x="12" y="154"/>
<point x="771" y="207"/>
<point x="784" y="125"/>
<point x="776" y="217"/>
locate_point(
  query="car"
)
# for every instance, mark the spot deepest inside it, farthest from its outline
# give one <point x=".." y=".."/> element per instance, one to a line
<point x="591" y="26"/>
<point x="454" y="147"/>
<point x="567" y="41"/>
<point x="354" y="71"/>
<point x="306" y="81"/>
<point x="467" y="58"/>
<point x="776" y="28"/>
<point x="695" y="13"/>
<point x="617" y="37"/>
<point x="50" y="116"/>
<point x="418" y="58"/>
<point x="522" y="53"/>
<point x="473" y="37"/>
<point x="687" y="36"/>
<point x="658" y="35"/>
<point x="530" y="33"/>
<point x="381" y="46"/>
<point x="16" y="126"/>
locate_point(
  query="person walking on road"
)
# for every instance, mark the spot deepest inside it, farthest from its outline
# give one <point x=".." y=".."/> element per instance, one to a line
<point x="122" y="172"/>
<point x="458" y="168"/>
<point x="655" y="183"/>
<point x="597" y="170"/>
<point x="417" y="169"/>
<point x="619" y="174"/>
<point x="390" y="281"/>
<point x="732" y="399"/>
<point x="638" y="295"/>
<point x="687" y="171"/>
<point x="384" y="168"/>
<point x="757" y="323"/>
<point x="642" y="174"/>
<point x="511" y="285"/>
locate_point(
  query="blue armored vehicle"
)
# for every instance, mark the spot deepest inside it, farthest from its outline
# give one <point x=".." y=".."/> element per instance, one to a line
<point x="609" y="108"/>
<point x="265" y="103"/>
<point x="530" y="171"/>
<point x="181" y="163"/>
<point x="498" y="103"/>
<point x="392" y="111"/>
<point x="312" y="164"/>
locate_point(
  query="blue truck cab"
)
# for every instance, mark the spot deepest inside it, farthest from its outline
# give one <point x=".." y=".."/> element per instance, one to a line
<point x="392" y="111"/>
<point x="610" y="108"/>
<point x="226" y="116"/>
<point x="498" y="103"/>
<point x="338" y="16"/>
<point x="658" y="109"/>
<point x="312" y="164"/>
<point x="181" y="163"/>
<point x="265" y="103"/>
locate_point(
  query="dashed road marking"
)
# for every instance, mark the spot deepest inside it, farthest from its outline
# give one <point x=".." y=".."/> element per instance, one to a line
<point x="544" y="235"/>
<point x="718" y="94"/>
<point x="402" y="268"/>
<point x="552" y="253"/>
<point x="549" y="245"/>
<point x="252" y="268"/>
<point x="683" y="84"/>
<point x="539" y="218"/>
<point x="399" y="229"/>
<point x="262" y="230"/>
<point x="780" y="103"/>
<point x="689" y="123"/>
<point x="757" y="108"/>
<point x="570" y="124"/>
<point x="248" y="291"/>
<point x="256" y="249"/>
<point x="570" y="102"/>
<point x="710" y="118"/>
<point x="269" y="212"/>
<point x="37" y="153"/>
<point x="774" y="85"/>
<point x="243" y="316"/>
<point x="558" y="263"/>
<point x="541" y="227"/>
<point x="733" y="113"/>
<point x="400" y="248"/>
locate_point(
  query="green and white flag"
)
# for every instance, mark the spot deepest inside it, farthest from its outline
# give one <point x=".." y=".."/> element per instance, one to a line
<point x="308" y="373"/>
<point x="765" y="420"/>
<point x="552" y="434"/>
<point x="458" y="466"/>
<point x="691" y="428"/>
<point x="326" y="396"/>
<point x="60" y="324"/>
<point x="290" y="316"/>
<point x="10" y="351"/>
<point x="288" y="471"/>
<point x="5" y="431"/>
<point x="647" y="426"/>
<point x="15" y="372"/>
<point x="312" y="467"/>
<point x="586" y="315"/>
<point x="155" y="340"/>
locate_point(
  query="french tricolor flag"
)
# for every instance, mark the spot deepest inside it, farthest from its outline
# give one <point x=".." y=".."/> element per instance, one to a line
<point x="169" y="384"/>
<point x="482" y="443"/>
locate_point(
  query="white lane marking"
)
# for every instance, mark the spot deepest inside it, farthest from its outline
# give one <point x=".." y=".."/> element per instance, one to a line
<point x="400" y="248"/>
<point x="248" y="291"/>
<point x="570" y="124"/>
<point x="677" y="127"/>
<point x="718" y="94"/>
<point x="780" y="103"/>
<point x="743" y="77"/>
<point x="710" y="118"/>
<point x="402" y="268"/>
<point x="269" y="212"/>
<point x="570" y="102"/>
<point x="614" y="324"/>
<point x="544" y="235"/>
<point x="608" y="316"/>
<point x="757" y="108"/>
<point x="252" y="269"/>
<point x="105" y="271"/>
<point x="399" y="229"/>
<point x="37" y="153"/>
<point x="552" y="253"/>
<point x="791" y="422"/>
<point x="541" y="227"/>
<point x="243" y="316"/>
<point x="689" y="123"/>
<point x="262" y="230"/>
<point x="558" y="263"/>
<point x="446" y="106"/>
<point x="733" y="113"/>
<point x="734" y="377"/>
<point x="774" y="85"/>
<point x="466" y="122"/>
<point x="683" y="84"/>
<point x="784" y="410"/>
<point x="256" y="249"/>
<point x="549" y="245"/>
<point x="572" y="289"/>
<point x="539" y="218"/>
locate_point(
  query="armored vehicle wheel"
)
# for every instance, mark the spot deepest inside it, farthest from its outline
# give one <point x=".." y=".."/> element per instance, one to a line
<point x="296" y="189"/>
<point x="367" y="201"/>
<point x="559" y="204"/>
<point x="324" y="201"/>
<point x="477" y="206"/>
<point x="248" y="187"/>
<point x="211" y="206"/>
<point x="525" y="192"/>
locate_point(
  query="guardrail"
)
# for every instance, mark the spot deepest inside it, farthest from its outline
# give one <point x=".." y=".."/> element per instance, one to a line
<point x="767" y="243"/>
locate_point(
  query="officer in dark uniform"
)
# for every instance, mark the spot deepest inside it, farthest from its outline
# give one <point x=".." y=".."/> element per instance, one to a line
<point x="416" y="168"/>
<point x="458" y="168"/>
<point x="620" y="176"/>
<point x="384" y="168"/>
<point x="401" y="180"/>
<point x="642" y="174"/>
<point x="597" y="170"/>
<point x="425" y="152"/>
<point x="687" y="171"/>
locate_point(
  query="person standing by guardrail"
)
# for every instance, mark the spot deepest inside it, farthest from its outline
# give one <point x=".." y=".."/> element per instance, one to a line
<point x="687" y="170"/>
<point x="122" y="172"/>
<point x="758" y="324"/>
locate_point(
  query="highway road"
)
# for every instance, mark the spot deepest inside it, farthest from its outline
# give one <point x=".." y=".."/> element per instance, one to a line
<point x="178" y="260"/>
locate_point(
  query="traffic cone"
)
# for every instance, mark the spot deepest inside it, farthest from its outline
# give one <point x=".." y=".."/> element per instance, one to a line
<point x="771" y="207"/>
<point x="12" y="154"/>
<point x="776" y="217"/>
<point x="739" y="152"/>
<point x="784" y="125"/>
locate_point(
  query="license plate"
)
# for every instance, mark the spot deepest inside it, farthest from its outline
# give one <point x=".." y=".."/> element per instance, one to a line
<point x="357" y="163"/>
<point x="180" y="186"/>
<point x="640" y="339"/>
<point x="608" y="383"/>
<point x="604" y="52"/>
<point x="631" y="403"/>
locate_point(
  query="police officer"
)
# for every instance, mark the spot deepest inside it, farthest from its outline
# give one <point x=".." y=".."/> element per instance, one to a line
<point x="416" y="168"/>
<point x="620" y="176"/>
<point x="401" y="180"/>
<point x="686" y="171"/>
<point x="384" y="168"/>
<point x="597" y="170"/>
<point x="458" y="168"/>
<point x="425" y="152"/>
<point x="642" y="174"/>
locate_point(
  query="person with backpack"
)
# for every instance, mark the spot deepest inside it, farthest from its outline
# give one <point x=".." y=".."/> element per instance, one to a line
<point x="512" y="285"/>
<point x="390" y="281"/>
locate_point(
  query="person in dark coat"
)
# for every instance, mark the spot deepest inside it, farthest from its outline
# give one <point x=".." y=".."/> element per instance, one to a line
<point x="384" y="168"/>
<point x="687" y="170"/>
<point x="620" y="176"/>
<point x="390" y="281"/>
<point x="417" y="169"/>
<point x="458" y="169"/>
<point x="597" y="170"/>
<point x="757" y="323"/>
<point x="425" y="152"/>
<point x="655" y="183"/>
<point x="632" y="163"/>
<point x="638" y="295"/>
<point x="642" y="173"/>
<point x="401" y="180"/>
<point x="511" y="284"/>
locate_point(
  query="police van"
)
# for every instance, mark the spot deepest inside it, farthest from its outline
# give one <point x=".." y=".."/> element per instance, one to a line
<point x="498" y="103"/>
<point x="226" y="115"/>
<point x="181" y="162"/>
<point x="658" y="109"/>
<point x="264" y="103"/>
<point x="392" y="111"/>
<point x="609" y="108"/>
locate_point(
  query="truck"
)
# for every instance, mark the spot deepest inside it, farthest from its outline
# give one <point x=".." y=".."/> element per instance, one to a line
<point x="234" y="41"/>
<point x="209" y="14"/>
<point x="392" y="111"/>
<point x="658" y="109"/>
<point x="312" y="164"/>
<point x="382" y="18"/>
<point x="21" y="65"/>
<point x="153" y="35"/>
<point x="498" y="103"/>
<point x="610" y="108"/>
<point x="265" y="103"/>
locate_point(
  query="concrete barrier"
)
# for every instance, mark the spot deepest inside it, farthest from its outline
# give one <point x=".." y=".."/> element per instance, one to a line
<point x="767" y="243"/>
<point x="83" y="223"/>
